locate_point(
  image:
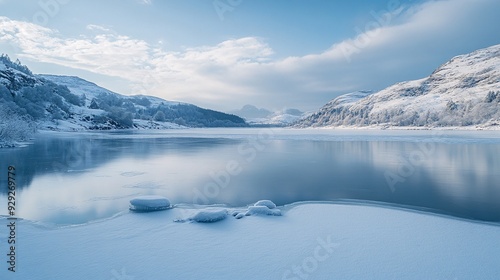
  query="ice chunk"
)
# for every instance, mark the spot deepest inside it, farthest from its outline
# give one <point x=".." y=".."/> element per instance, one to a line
<point x="262" y="210"/>
<point x="209" y="216"/>
<point x="149" y="203"/>
<point x="268" y="203"/>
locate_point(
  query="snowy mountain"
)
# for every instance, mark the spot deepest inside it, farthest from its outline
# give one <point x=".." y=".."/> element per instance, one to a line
<point x="252" y="112"/>
<point x="340" y="104"/>
<point x="263" y="117"/>
<point x="71" y="103"/>
<point x="463" y="92"/>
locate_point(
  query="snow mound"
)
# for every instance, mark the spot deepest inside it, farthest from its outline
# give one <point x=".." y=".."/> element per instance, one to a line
<point x="149" y="203"/>
<point x="262" y="210"/>
<point x="268" y="203"/>
<point x="209" y="216"/>
<point x="239" y="215"/>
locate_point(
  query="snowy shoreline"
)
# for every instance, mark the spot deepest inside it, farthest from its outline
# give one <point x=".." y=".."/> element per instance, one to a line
<point x="194" y="208"/>
<point x="312" y="240"/>
<point x="371" y="127"/>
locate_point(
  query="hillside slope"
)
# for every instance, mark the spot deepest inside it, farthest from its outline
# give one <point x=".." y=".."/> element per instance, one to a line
<point x="71" y="103"/>
<point x="463" y="92"/>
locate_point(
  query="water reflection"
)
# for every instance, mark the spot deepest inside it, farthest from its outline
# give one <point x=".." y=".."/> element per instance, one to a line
<point x="69" y="179"/>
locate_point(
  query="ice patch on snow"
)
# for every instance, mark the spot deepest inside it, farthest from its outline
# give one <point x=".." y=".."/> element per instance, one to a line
<point x="149" y="203"/>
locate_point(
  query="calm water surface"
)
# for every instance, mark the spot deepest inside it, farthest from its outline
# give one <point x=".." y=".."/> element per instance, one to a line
<point x="68" y="178"/>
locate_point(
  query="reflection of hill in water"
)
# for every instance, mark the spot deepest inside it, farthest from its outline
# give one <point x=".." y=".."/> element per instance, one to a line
<point x="458" y="179"/>
<point x="66" y="154"/>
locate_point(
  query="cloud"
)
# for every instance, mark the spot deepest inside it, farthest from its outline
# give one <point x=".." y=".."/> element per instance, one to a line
<point x="145" y="2"/>
<point x="195" y="70"/>
<point x="401" y="42"/>
<point x="106" y="54"/>
<point x="95" y="27"/>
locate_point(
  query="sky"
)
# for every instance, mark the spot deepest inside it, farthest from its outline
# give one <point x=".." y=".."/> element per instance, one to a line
<point x="224" y="54"/>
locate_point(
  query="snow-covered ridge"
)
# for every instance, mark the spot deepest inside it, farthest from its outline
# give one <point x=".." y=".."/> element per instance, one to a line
<point x="91" y="90"/>
<point x="462" y="92"/>
<point x="70" y="103"/>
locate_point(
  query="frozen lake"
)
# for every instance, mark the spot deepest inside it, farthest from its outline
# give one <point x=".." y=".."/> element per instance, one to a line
<point x="71" y="178"/>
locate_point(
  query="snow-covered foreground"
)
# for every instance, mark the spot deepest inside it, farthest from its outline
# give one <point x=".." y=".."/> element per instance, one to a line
<point x="309" y="241"/>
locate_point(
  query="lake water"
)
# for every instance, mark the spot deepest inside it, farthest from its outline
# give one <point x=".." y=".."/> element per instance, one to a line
<point x="71" y="178"/>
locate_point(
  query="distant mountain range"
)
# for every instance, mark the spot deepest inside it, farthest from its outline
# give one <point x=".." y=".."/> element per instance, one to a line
<point x="464" y="92"/>
<point x="263" y="117"/>
<point x="71" y="103"/>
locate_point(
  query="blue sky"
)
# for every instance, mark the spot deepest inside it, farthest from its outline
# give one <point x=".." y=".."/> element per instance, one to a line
<point x="224" y="54"/>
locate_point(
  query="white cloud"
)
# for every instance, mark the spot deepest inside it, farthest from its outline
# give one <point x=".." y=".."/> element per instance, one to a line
<point x="95" y="27"/>
<point x="240" y="71"/>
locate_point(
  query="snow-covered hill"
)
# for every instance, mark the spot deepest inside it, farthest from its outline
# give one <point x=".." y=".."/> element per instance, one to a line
<point x="463" y="92"/>
<point x="339" y="104"/>
<point x="90" y="90"/>
<point x="93" y="95"/>
<point x="263" y="117"/>
<point x="71" y="103"/>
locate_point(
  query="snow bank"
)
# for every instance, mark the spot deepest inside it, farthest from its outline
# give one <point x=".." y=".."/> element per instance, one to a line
<point x="149" y="203"/>
<point x="311" y="241"/>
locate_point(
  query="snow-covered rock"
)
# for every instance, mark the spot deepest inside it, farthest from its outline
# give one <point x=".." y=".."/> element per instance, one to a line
<point x="463" y="92"/>
<point x="209" y="215"/>
<point x="261" y="207"/>
<point x="239" y="215"/>
<point x="262" y="210"/>
<point x="268" y="203"/>
<point x="148" y="203"/>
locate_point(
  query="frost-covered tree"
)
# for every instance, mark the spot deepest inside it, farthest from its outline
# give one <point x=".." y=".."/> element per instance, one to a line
<point x="159" y="116"/>
<point x="5" y="59"/>
<point x="13" y="127"/>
